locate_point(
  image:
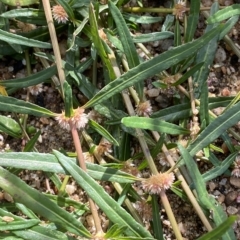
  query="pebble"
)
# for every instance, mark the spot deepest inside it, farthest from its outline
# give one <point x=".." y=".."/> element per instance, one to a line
<point x="235" y="181"/>
<point x="154" y="92"/>
<point x="232" y="210"/>
<point x="221" y="198"/>
<point x="223" y="181"/>
<point x="220" y="55"/>
<point x="230" y="197"/>
<point x="70" y="189"/>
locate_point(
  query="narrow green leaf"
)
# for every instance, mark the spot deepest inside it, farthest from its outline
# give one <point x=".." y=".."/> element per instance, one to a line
<point x="27" y="212"/>
<point x="77" y="31"/>
<point x="98" y="43"/>
<point x="114" y="231"/>
<point x="174" y="113"/>
<point x="215" y="129"/>
<point x="220" y="169"/>
<point x="228" y="26"/>
<point x="217" y="232"/>
<point x="141" y="19"/>
<point x="188" y="74"/>
<point x="20" y="2"/>
<point x="129" y="48"/>
<point x="149" y="37"/>
<point x="40" y="204"/>
<point x="68" y="103"/>
<point x="40" y="232"/>
<point x="203" y="112"/>
<point x="169" y="20"/>
<point x="30" y="144"/>
<point x="66" y="202"/>
<point x="103" y="132"/>
<point x="28" y="15"/>
<point x="10" y="127"/>
<point x="49" y="163"/>
<point x="225" y="13"/>
<point x="192" y="20"/>
<point x="111" y="208"/>
<point x="16" y="225"/>
<point x="205" y="55"/>
<point x="205" y="200"/>
<point x="32" y="80"/>
<point x="10" y="104"/>
<point x="154" y="125"/>
<point x="150" y="68"/>
<point x="17" y="39"/>
<point x="157" y="225"/>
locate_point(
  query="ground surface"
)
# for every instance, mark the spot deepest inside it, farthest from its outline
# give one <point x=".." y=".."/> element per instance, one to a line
<point x="224" y="80"/>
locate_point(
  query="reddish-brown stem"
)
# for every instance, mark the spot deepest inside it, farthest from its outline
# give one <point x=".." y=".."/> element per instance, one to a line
<point x="83" y="166"/>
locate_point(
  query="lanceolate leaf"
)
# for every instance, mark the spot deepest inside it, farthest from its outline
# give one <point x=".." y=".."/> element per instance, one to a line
<point x="228" y="26"/>
<point x="150" y="68"/>
<point x="224" y="14"/>
<point x="215" y="129"/>
<point x="16" y="225"/>
<point x="39" y="203"/>
<point x="17" y="39"/>
<point x="32" y="80"/>
<point x="40" y="232"/>
<point x="127" y="43"/>
<point x="205" y="200"/>
<point x="192" y="20"/>
<point x="10" y="104"/>
<point x="10" y="127"/>
<point x="148" y="37"/>
<point x="217" y="232"/>
<point x="220" y="169"/>
<point x="102" y="131"/>
<point x="205" y="55"/>
<point x="49" y="163"/>
<point x="154" y="125"/>
<point x="141" y="19"/>
<point x="109" y="206"/>
<point x="29" y="15"/>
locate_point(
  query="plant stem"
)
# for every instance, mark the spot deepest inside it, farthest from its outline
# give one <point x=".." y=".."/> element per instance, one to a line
<point x="146" y="150"/>
<point x="52" y="31"/>
<point x="170" y="215"/>
<point x="116" y="185"/>
<point x="158" y="10"/>
<point x="82" y="164"/>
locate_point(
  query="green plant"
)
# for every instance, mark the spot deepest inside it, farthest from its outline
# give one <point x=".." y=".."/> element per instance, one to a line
<point x="107" y="33"/>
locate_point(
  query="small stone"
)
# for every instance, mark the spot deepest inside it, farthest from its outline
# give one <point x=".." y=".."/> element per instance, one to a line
<point x="221" y="198"/>
<point x="70" y="189"/>
<point x="182" y="228"/>
<point x="232" y="210"/>
<point x="235" y="181"/>
<point x="230" y="197"/>
<point x="44" y="120"/>
<point x="154" y="92"/>
<point x="220" y="55"/>
<point x="216" y="193"/>
<point x="223" y="181"/>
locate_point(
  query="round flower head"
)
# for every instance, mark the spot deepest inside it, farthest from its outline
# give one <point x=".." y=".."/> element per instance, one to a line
<point x="159" y="182"/>
<point x="144" y="109"/>
<point x="79" y="119"/>
<point x="179" y="9"/>
<point x="59" y="14"/>
<point x="35" y="90"/>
